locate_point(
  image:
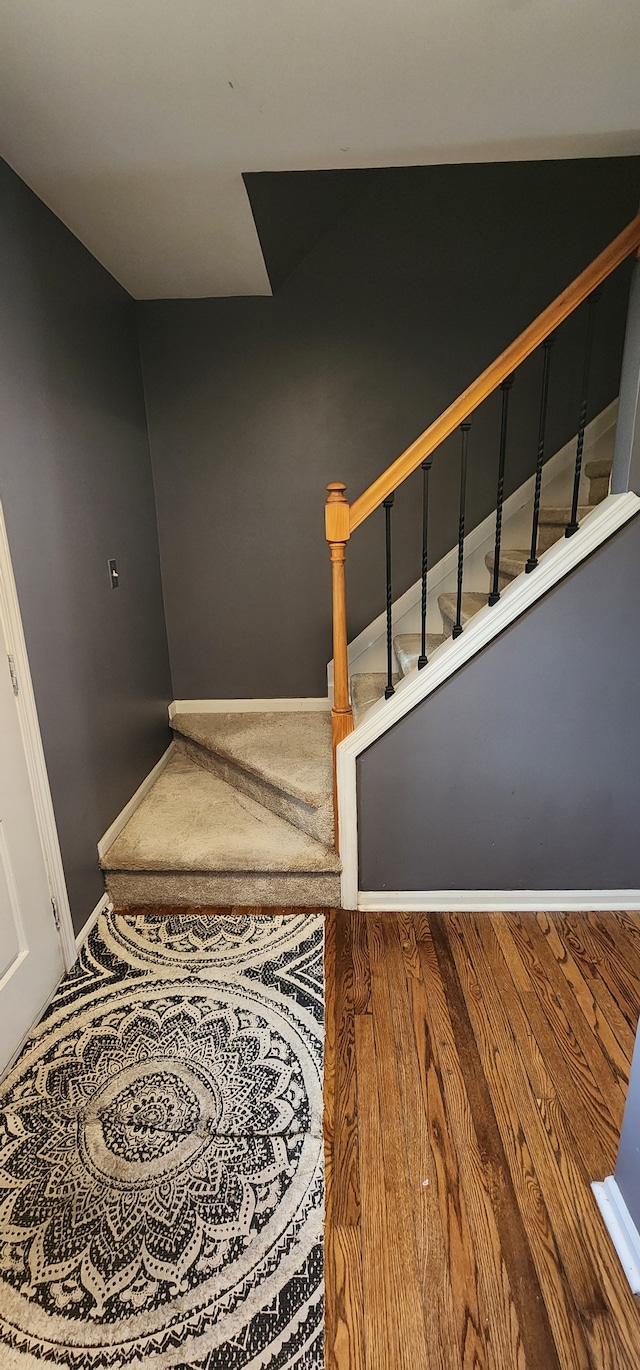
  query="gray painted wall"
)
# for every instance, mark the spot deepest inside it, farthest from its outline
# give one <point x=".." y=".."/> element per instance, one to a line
<point x="76" y="489"/>
<point x="523" y="770"/>
<point x="255" y="404"/>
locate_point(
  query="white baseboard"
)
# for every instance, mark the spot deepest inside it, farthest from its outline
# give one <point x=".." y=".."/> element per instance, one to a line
<point x="248" y="706"/>
<point x="101" y="907"/>
<point x="621" y="1228"/>
<point x="134" y="803"/>
<point x="494" y="901"/>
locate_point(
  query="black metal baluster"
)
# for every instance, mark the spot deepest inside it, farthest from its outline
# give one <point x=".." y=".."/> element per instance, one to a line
<point x="388" y="505"/>
<point x="426" y="467"/>
<point x="542" y="424"/>
<point x="464" y="429"/>
<point x="506" y="390"/>
<point x="572" y="526"/>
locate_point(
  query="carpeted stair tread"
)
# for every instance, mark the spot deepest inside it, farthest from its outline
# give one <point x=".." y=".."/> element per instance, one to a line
<point x="561" y="513"/>
<point x="367" y="687"/>
<point x="598" y="468"/>
<point x="553" y="521"/>
<point x="191" y="821"/>
<point x="512" y="561"/>
<point x="472" y="602"/>
<point x="290" y="751"/>
<point x="407" y="648"/>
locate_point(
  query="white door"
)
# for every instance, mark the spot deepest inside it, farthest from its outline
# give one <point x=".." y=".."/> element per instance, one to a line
<point x="31" y="961"/>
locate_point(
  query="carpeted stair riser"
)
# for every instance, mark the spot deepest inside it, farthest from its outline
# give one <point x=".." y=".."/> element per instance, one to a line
<point x="367" y="687"/>
<point x="472" y="602"/>
<point x="407" y="648"/>
<point x="512" y="564"/>
<point x="553" y="523"/>
<point x="317" y="822"/>
<point x="598" y="473"/>
<point x="314" y="889"/>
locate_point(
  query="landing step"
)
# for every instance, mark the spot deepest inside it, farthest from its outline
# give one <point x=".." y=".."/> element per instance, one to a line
<point x="197" y="840"/>
<point x="282" y="760"/>
<point x="407" y="647"/>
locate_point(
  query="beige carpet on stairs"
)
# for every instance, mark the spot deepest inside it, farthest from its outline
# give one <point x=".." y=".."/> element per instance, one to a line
<point x="368" y="687"/>
<point x="241" y="815"/>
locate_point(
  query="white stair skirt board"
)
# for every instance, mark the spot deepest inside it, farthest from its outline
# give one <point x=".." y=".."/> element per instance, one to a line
<point x="367" y="651"/>
<point x="134" y="803"/>
<point x="621" y="1228"/>
<point x="104" y="905"/>
<point x="249" y="706"/>
<point x="33" y="749"/>
<point x="563" y="557"/>
<point x="492" y="901"/>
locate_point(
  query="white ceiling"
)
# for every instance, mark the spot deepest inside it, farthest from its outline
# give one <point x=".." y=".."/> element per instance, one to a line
<point x="134" y="119"/>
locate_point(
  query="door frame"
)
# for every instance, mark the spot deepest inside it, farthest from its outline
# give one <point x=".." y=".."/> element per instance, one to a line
<point x="11" y="622"/>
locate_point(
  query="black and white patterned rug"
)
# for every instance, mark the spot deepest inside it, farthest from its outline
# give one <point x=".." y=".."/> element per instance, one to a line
<point x="161" y="1157"/>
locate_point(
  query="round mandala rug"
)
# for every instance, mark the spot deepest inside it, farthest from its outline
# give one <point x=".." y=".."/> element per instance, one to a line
<point x="161" y="1182"/>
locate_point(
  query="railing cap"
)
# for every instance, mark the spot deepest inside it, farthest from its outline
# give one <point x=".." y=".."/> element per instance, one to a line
<point x="335" y="492"/>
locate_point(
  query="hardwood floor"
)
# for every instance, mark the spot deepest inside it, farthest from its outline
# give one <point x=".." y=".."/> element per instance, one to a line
<point x="476" y="1073"/>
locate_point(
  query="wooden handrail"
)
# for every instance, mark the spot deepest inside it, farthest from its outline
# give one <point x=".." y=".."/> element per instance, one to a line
<point x="341" y="518"/>
<point x="626" y="242"/>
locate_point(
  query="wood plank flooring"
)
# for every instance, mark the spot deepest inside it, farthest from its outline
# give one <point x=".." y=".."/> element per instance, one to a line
<point x="476" y="1074"/>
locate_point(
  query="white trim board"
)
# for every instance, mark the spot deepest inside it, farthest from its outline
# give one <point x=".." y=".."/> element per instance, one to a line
<point x="621" y="1228"/>
<point x="102" y="906"/>
<point x="33" y="749"/>
<point x="248" y="706"/>
<point x="134" y="803"/>
<point x="477" y="539"/>
<point x="494" y="901"/>
<point x="520" y="595"/>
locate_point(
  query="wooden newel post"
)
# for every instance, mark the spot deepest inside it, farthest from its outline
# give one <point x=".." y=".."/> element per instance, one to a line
<point x="337" y="534"/>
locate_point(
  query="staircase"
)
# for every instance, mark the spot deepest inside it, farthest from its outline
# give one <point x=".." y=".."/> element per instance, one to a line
<point x="242" y="814"/>
<point x="367" y="687"/>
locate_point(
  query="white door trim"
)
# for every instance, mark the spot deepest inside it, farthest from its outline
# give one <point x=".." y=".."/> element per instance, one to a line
<point x="33" y="749"/>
